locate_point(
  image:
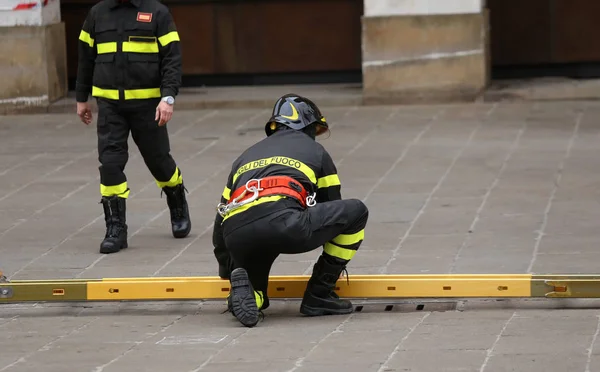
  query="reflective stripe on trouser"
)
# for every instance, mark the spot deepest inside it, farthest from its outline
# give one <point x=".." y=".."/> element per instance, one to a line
<point x="114" y="125"/>
<point x="176" y="179"/>
<point x="128" y="94"/>
<point x="344" y="246"/>
<point x="120" y="190"/>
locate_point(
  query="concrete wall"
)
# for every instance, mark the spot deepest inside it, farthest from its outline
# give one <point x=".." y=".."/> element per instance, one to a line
<point x="34" y="72"/>
<point x="424" y="50"/>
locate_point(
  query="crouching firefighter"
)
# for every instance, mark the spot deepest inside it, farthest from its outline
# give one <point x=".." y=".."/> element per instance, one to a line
<point x="283" y="197"/>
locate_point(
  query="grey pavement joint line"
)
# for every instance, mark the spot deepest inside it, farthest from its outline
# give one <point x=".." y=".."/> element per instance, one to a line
<point x="384" y="365"/>
<point x="396" y="250"/>
<point x="490" y="351"/>
<point x="132" y="196"/>
<point x="489" y="190"/>
<point x="300" y="361"/>
<point x="158" y="215"/>
<point x="20" y="164"/>
<point x="23" y="187"/>
<point x="136" y="344"/>
<point x="184" y="249"/>
<point x="49" y="344"/>
<point x="9" y="320"/>
<point x="558" y="177"/>
<point x="590" y="350"/>
<point x="213" y="356"/>
<point x="405" y="151"/>
<point x="361" y="143"/>
<point x="197" y="121"/>
<point x="23" y="220"/>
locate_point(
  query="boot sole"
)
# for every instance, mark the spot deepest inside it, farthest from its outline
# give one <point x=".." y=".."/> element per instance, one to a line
<point x="182" y="234"/>
<point x="110" y="250"/>
<point x="243" y="302"/>
<point x="319" y="311"/>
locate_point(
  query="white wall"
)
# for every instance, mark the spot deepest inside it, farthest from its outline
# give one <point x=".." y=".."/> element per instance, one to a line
<point x="421" y="7"/>
<point x="39" y="15"/>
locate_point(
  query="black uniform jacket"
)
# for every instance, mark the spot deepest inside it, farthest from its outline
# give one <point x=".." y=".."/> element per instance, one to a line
<point x="128" y="50"/>
<point x="285" y="153"/>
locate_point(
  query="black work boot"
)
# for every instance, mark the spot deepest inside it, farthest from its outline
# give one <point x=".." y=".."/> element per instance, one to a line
<point x="116" y="226"/>
<point x="320" y="297"/>
<point x="243" y="301"/>
<point x="180" y="215"/>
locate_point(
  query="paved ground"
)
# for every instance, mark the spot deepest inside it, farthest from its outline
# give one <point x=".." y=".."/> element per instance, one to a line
<point x="342" y="94"/>
<point x="488" y="188"/>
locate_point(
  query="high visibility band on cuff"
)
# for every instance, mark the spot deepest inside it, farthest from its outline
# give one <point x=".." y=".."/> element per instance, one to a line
<point x="86" y="38"/>
<point x="339" y="252"/>
<point x="226" y="193"/>
<point x="104" y="48"/>
<point x="349" y="239"/>
<point x="328" y="181"/>
<point x="120" y="190"/>
<point x="139" y="47"/>
<point x="175" y="180"/>
<point x="168" y="38"/>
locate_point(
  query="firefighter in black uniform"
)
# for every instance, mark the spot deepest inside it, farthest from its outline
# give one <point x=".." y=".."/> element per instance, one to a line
<point x="283" y="197"/>
<point x="130" y="61"/>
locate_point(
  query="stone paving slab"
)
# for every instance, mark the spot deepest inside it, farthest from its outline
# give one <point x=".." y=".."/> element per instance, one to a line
<point x="478" y="188"/>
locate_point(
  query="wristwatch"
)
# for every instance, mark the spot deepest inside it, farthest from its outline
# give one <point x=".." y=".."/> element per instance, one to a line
<point x="168" y="99"/>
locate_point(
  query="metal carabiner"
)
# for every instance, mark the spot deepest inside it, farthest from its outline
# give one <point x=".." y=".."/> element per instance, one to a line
<point x="310" y="200"/>
<point x="223" y="209"/>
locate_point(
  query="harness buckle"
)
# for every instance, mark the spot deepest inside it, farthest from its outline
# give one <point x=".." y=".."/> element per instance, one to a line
<point x="223" y="208"/>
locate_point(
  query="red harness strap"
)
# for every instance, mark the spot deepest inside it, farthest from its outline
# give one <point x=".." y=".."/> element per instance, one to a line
<point x="274" y="185"/>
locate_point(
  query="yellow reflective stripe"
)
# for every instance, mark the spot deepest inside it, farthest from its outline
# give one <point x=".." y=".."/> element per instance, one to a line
<point x="175" y="180"/>
<point x="168" y="38"/>
<point x="129" y="94"/>
<point x="327" y="181"/>
<point x="105" y="93"/>
<point x="120" y="190"/>
<point x="264" y="199"/>
<point x="277" y="160"/>
<point x="339" y="252"/>
<point x="258" y="296"/>
<point x="86" y="38"/>
<point x="349" y="239"/>
<point x="107" y="47"/>
<point x="142" y="93"/>
<point x="226" y="193"/>
<point x="139" y="47"/>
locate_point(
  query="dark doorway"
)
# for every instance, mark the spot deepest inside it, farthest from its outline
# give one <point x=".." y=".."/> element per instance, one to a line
<point x="536" y="38"/>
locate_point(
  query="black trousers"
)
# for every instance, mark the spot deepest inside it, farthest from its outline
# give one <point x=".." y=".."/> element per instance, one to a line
<point x="338" y="226"/>
<point x="115" y="121"/>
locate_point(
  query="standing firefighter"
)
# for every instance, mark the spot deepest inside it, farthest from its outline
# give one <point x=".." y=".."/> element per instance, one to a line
<point x="283" y="197"/>
<point x="130" y="60"/>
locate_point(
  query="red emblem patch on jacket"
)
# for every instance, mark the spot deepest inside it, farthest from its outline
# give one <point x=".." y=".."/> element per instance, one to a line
<point x="144" y="17"/>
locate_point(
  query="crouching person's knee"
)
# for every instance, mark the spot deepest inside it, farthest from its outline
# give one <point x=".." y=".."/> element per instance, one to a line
<point x="360" y="214"/>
